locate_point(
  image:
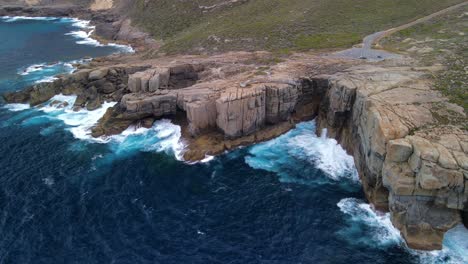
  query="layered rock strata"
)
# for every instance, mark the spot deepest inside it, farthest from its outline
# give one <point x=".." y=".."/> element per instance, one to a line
<point x="410" y="158"/>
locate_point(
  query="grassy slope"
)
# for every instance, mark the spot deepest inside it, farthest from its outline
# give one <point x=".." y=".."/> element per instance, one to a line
<point x="274" y="24"/>
<point x="443" y="39"/>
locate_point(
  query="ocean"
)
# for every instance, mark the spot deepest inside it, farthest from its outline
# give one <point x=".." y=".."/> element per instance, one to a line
<point x="68" y="198"/>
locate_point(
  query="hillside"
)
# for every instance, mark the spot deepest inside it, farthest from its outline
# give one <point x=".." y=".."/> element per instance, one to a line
<point x="220" y="25"/>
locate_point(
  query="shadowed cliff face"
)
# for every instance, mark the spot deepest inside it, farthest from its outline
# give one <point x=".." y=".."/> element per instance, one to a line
<point x="405" y="138"/>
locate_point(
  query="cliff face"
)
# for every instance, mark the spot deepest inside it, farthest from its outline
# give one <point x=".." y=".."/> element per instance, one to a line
<point x="407" y="160"/>
<point x="411" y="159"/>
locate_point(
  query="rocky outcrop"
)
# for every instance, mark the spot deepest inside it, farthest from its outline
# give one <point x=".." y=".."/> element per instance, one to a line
<point x="241" y="111"/>
<point x="410" y="158"/>
<point x="407" y="159"/>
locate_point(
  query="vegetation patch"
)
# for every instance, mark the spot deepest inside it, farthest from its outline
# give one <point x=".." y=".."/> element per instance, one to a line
<point x="327" y="40"/>
<point x="205" y="26"/>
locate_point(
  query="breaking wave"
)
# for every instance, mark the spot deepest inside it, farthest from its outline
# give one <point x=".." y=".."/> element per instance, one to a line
<point x="286" y="154"/>
<point x="17" y="107"/>
<point x="370" y="228"/>
<point x="367" y="226"/>
<point x="45" y="72"/>
<point x="19" y="18"/>
<point x="83" y="34"/>
<point x="163" y="136"/>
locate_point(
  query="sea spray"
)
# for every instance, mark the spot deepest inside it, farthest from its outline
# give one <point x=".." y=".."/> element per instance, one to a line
<point x="17" y="107"/>
<point x="163" y="136"/>
<point x="287" y="154"/>
<point x="368" y="227"/>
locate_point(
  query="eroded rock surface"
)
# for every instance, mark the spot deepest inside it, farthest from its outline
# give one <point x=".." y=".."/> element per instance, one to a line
<point x="408" y="141"/>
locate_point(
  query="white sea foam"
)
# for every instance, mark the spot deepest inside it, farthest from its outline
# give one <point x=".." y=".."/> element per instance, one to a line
<point x="79" y="23"/>
<point x="32" y="68"/>
<point x="207" y="159"/>
<point x="367" y="226"/>
<point x="163" y="136"/>
<point x="80" y="122"/>
<point x="85" y="38"/>
<point x="371" y="228"/>
<point x="42" y="72"/>
<point x="326" y="154"/>
<point x="288" y="154"/>
<point x="19" y="18"/>
<point x="83" y="35"/>
<point x="124" y="48"/>
<point x="17" y="107"/>
<point x="46" y="79"/>
<point x="49" y="68"/>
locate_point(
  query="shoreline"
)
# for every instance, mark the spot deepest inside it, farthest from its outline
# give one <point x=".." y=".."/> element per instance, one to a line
<point x="108" y="26"/>
<point x="384" y="114"/>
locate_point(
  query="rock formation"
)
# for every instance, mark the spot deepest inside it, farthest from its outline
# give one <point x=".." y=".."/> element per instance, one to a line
<point x="411" y="160"/>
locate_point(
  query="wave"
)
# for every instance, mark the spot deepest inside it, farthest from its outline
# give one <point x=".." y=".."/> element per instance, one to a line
<point x="45" y="72"/>
<point x="85" y="38"/>
<point x="295" y="155"/>
<point x="163" y="136"/>
<point x="17" y="107"/>
<point x="10" y="19"/>
<point x="367" y="226"/>
<point x="371" y="228"/>
<point x="83" y="35"/>
<point x="80" y="122"/>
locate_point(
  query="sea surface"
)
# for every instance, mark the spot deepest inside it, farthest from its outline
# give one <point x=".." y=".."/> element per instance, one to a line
<point x="68" y="198"/>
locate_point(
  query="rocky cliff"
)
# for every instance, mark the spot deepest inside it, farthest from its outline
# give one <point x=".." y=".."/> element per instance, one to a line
<point x="408" y="141"/>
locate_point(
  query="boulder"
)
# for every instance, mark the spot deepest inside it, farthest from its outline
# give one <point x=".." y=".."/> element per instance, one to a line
<point x="160" y="80"/>
<point x="446" y="159"/>
<point x="80" y="75"/>
<point x="399" y="178"/>
<point x="433" y="177"/>
<point x="134" y="82"/>
<point x="462" y="159"/>
<point x="424" y="149"/>
<point x="107" y="88"/>
<point x="422" y="224"/>
<point x="98" y="74"/>
<point x="156" y="105"/>
<point x="399" y="150"/>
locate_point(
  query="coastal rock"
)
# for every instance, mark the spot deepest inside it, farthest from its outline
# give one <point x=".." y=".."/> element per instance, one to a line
<point x="421" y="223"/>
<point x="388" y="118"/>
<point x="138" y="106"/>
<point x="446" y="159"/>
<point x="241" y="112"/>
<point x="281" y="100"/>
<point x="98" y="74"/>
<point x="149" y="81"/>
<point x="399" y="150"/>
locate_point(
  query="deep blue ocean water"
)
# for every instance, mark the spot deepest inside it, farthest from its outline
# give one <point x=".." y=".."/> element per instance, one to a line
<point x="67" y="198"/>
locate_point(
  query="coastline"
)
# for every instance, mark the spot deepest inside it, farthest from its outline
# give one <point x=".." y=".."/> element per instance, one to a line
<point x="109" y="28"/>
<point x="355" y="114"/>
